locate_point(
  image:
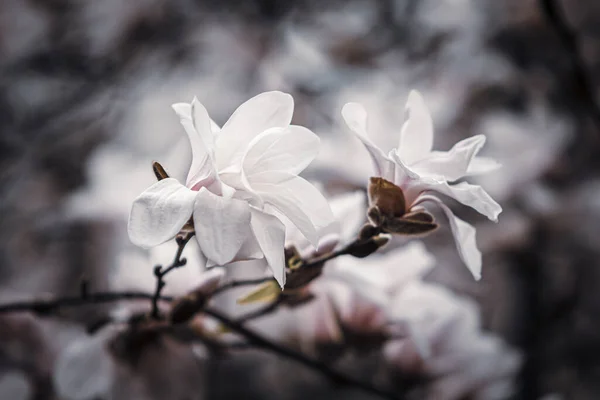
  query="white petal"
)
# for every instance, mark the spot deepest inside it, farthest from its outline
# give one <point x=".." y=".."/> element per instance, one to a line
<point x="301" y="202"/>
<point x="470" y="195"/>
<point x="355" y="116"/>
<point x="270" y="234"/>
<point x="158" y="214"/>
<point x="222" y="225"/>
<point x="250" y="250"/>
<point x="402" y="173"/>
<point x="451" y="165"/>
<point x="386" y="272"/>
<point x="262" y="112"/>
<point x="416" y="137"/>
<point x="464" y="236"/>
<point x="482" y="165"/>
<point x="349" y="210"/>
<point x="288" y="149"/>
<point x="197" y="125"/>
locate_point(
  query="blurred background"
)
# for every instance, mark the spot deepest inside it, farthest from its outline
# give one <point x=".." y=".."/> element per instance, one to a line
<point x="85" y="94"/>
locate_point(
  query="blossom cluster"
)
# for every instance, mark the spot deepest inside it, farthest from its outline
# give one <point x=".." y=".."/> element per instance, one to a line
<point x="243" y="188"/>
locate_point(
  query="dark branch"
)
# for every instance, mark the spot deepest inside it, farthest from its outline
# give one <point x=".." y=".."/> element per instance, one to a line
<point x="160" y="273"/>
<point x="556" y="18"/>
<point x="316" y="365"/>
<point x="46" y="306"/>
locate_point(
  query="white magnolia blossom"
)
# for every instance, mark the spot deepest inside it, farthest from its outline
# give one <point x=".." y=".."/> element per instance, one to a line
<point x="420" y="172"/>
<point x="241" y="177"/>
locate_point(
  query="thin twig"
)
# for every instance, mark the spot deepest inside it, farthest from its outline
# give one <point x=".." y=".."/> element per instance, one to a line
<point x="160" y="273"/>
<point x="45" y="306"/>
<point x="316" y="365"/>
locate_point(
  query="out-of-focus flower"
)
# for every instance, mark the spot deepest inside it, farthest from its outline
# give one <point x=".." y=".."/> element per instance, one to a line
<point x="463" y="361"/>
<point x="418" y="171"/>
<point x="350" y="305"/>
<point x="349" y="212"/>
<point x="241" y="175"/>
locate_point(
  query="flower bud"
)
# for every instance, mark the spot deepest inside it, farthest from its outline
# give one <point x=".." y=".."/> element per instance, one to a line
<point x="407" y="227"/>
<point x="366" y="248"/>
<point x="159" y="171"/>
<point x="388" y="197"/>
<point x="368" y="231"/>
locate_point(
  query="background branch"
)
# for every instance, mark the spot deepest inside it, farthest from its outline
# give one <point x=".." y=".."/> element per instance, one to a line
<point x="316" y="365"/>
<point x="555" y="16"/>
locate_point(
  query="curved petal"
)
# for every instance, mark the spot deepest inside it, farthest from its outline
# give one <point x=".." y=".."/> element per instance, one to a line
<point x="416" y="137"/>
<point x="270" y="235"/>
<point x="299" y="201"/>
<point x="264" y="111"/>
<point x="158" y="214"/>
<point x="355" y="116"/>
<point x="197" y="125"/>
<point x="288" y="149"/>
<point x="408" y="180"/>
<point x="464" y="236"/>
<point x="222" y="226"/>
<point x="470" y="195"/>
<point x="451" y="165"/>
<point x="482" y="165"/>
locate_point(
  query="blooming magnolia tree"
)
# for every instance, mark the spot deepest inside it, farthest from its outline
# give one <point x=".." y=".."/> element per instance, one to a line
<point x="243" y="200"/>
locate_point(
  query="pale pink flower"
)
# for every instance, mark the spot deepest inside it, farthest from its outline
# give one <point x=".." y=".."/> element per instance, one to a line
<point x="421" y="172"/>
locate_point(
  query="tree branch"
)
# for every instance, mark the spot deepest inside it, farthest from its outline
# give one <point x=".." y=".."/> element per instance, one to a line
<point x="46" y="306"/>
<point x="315" y="365"/>
<point x="556" y="18"/>
<point x="160" y="273"/>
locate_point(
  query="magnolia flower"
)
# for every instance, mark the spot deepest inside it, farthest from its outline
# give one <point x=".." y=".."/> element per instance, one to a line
<point x="464" y="361"/>
<point x="240" y="176"/>
<point x="420" y="172"/>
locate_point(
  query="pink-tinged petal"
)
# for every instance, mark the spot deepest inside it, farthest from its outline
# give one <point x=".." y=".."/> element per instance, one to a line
<point x="451" y="165"/>
<point x="482" y="165"/>
<point x="264" y="111"/>
<point x="301" y="202"/>
<point x="288" y="149"/>
<point x="416" y="137"/>
<point x="158" y="214"/>
<point x="404" y="355"/>
<point x="405" y="178"/>
<point x="222" y="226"/>
<point x="197" y="125"/>
<point x="464" y="236"/>
<point x="270" y="235"/>
<point x="355" y="116"/>
<point x="470" y="195"/>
